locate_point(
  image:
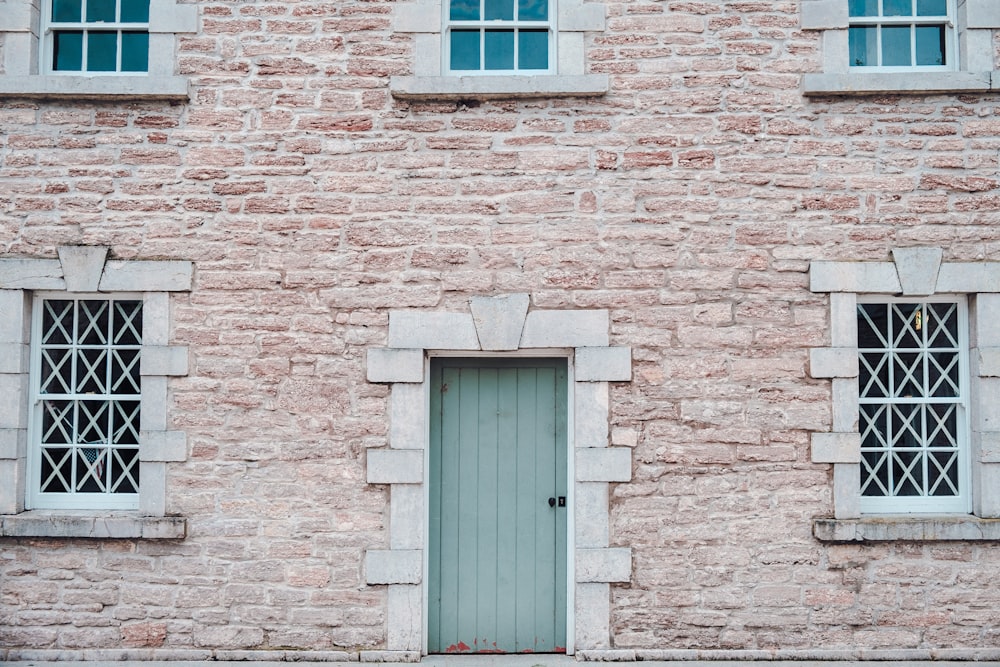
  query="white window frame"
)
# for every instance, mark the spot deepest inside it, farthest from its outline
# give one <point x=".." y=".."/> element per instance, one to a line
<point x="37" y="499"/>
<point x="973" y="67"/>
<point x="951" y="52"/>
<point x="83" y="271"/>
<point x="27" y="61"/>
<point x="481" y="24"/>
<point x="48" y="42"/>
<point x="917" y="274"/>
<point x="425" y="21"/>
<point x="916" y="504"/>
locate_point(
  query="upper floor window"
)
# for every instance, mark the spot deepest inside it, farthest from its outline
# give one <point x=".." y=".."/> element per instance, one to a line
<point x="97" y="36"/>
<point x="901" y="33"/>
<point x="498" y="36"/>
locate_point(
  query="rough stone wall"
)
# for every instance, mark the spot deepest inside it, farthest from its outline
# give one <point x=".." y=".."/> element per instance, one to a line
<point x="688" y="201"/>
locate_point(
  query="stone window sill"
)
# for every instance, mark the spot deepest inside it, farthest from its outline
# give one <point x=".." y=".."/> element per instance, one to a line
<point x="173" y="88"/>
<point x="900" y="83"/>
<point x="497" y="87"/>
<point x="112" y="525"/>
<point x="921" y="528"/>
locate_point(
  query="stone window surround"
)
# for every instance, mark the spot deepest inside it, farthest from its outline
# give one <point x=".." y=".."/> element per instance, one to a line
<point x="23" y="74"/>
<point x="80" y="269"/>
<point x="914" y="272"/>
<point x="423" y="19"/>
<point x="976" y="20"/>
<point x="501" y="326"/>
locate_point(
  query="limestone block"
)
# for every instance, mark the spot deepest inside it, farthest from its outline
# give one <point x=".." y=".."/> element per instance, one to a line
<point x="985" y="446"/>
<point x="976" y="50"/>
<point x="505" y="86"/>
<point x="566" y="328"/>
<point x="147" y="276"/>
<point x="82" y="266"/>
<point x="33" y="274"/>
<point x="405" y="610"/>
<point x="153" y="403"/>
<point x="604" y="464"/>
<point x="833" y="362"/>
<point x="595" y="364"/>
<point x="823" y="15"/>
<point x="395" y="466"/>
<point x="986" y="361"/>
<point x="13" y="358"/>
<point x="163" y="446"/>
<point x="572" y="53"/>
<point x="12" y="488"/>
<point x="499" y="320"/>
<point x="171" y="360"/>
<point x="982" y="14"/>
<point x="15" y="323"/>
<point x="13" y="443"/>
<point x="843" y="320"/>
<point x="845" y="405"/>
<point x="969" y="277"/>
<point x="17" y="17"/>
<point x="156" y="318"/>
<point x="896" y="528"/>
<point x="407" y="416"/>
<point x="846" y="490"/>
<point x="49" y="524"/>
<point x="590" y="506"/>
<point x="153" y="488"/>
<point x="416" y="17"/>
<point x="590" y="414"/>
<point x="432" y="331"/>
<point x="846" y="82"/>
<point x="917" y="269"/>
<point x="393" y="566"/>
<point x="604" y="565"/>
<point x="986" y="491"/>
<point x="406" y="516"/>
<point x="836" y="447"/>
<point x="874" y="277"/>
<point x="395" y="365"/>
<point x="577" y="16"/>
<point x="389" y="656"/>
<point x="13" y="400"/>
<point x="593" y="614"/>
<point x="986" y="410"/>
<point x="427" y="59"/>
<point x="169" y="16"/>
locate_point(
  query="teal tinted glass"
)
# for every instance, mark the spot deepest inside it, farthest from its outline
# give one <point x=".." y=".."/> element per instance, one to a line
<point x="863" y="7"/>
<point x="930" y="45"/>
<point x="135" y="51"/>
<point x="102" y="51"/>
<point x="66" y="10"/>
<point x="533" y="49"/>
<point x="499" y="10"/>
<point x="533" y="10"/>
<point x="100" y="11"/>
<point x="863" y="45"/>
<point x="897" y="7"/>
<point x="464" y="49"/>
<point x="135" y="11"/>
<point x="464" y="10"/>
<point x="896" y="46"/>
<point x="499" y="49"/>
<point x="67" y="50"/>
<point x="932" y="7"/>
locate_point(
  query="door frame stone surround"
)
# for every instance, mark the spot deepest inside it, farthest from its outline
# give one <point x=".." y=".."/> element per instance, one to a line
<point x="500" y="325"/>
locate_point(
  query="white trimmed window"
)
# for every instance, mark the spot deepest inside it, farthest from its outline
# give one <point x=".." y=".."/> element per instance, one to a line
<point x="498" y="49"/>
<point x="913" y="405"/>
<point x="93" y="48"/>
<point x="875" y="46"/>
<point x="85" y="402"/>
<point x="902" y="33"/>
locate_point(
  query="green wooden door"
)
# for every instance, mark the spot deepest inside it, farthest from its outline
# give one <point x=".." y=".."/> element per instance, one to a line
<point x="497" y="576"/>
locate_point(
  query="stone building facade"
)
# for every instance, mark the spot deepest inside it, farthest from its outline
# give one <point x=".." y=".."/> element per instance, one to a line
<point x="704" y="212"/>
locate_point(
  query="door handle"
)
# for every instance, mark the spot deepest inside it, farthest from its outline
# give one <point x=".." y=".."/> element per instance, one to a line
<point x="561" y="501"/>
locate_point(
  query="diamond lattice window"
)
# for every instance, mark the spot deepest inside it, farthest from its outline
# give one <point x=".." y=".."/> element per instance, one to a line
<point x="913" y="397"/>
<point x="87" y="395"/>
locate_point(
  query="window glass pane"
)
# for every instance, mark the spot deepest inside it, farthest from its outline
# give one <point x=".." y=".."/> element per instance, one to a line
<point x="66" y="10"/>
<point x="102" y="50"/>
<point x="896" y="45"/>
<point x="100" y="10"/>
<point x="135" y="52"/>
<point x="135" y="11"/>
<point x="499" y="49"/>
<point x="533" y="10"/>
<point x="499" y="9"/>
<point x="464" y="49"/>
<point x="863" y="46"/>
<point x="464" y="10"/>
<point x="67" y="50"/>
<point x="533" y="49"/>
<point x="930" y="45"/>
<point x="897" y="7"/>
<point x="863" y="7"/>
<point x="932" y="7"/>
